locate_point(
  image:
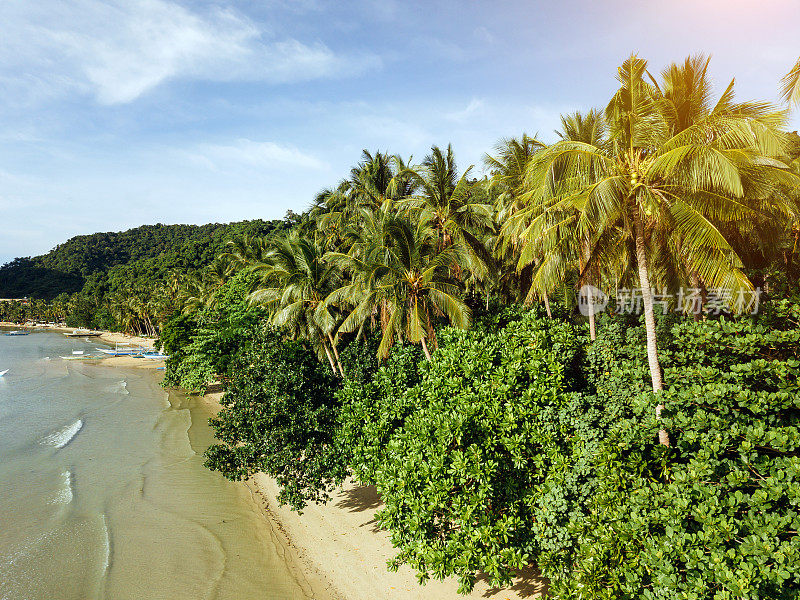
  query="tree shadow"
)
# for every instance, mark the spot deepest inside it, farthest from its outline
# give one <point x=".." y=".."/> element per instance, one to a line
<point x="361" y="498"/>
<point x="528" y="583"/>
<point x="213" y="388"/>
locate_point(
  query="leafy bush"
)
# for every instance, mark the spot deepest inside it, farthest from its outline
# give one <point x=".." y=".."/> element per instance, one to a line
<point x="202" y="348"/>
<point x="483" y="452"/>
<point x="373" y="410"/>
<point x="279" y="418"/>
<point x="716" y="515"/>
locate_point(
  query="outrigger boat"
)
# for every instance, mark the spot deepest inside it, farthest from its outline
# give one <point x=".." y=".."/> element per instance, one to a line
<point x="83" y="333"/>
<point x="123" y="350"/>
<point x="3" y="372"/>
<point x="17" y="333"/>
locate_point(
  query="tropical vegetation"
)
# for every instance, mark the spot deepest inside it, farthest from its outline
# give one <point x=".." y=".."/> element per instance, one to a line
<point x="444" y="337"/>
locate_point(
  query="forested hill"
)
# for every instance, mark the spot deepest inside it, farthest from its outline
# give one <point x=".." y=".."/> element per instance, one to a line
<point x="148" y="252"/>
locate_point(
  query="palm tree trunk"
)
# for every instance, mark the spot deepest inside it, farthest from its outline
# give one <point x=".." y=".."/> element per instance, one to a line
<point x="649" y="320"/>
<point x="330" y="359"/>
<point x="695" y="280"/>
<point x="590" y="301"/>
<point x="547" y="305"/>
<point x="336" y="354"/>
<point x="425" y="349"/>
<point x="589" y="295"/>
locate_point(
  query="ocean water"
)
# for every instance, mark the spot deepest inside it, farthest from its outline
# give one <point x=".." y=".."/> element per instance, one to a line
<point x="103" y="493"/>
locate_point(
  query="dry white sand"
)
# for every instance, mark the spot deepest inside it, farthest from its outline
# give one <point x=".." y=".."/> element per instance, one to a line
<point x="340" y="541"/>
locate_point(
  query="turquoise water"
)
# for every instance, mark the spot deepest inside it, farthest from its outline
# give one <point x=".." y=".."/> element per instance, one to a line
<point x="103" y="493"/>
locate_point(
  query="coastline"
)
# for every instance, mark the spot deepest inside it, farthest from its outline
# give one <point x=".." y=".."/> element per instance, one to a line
<point x="340" y="543"/>
<point x="108" y="337"/>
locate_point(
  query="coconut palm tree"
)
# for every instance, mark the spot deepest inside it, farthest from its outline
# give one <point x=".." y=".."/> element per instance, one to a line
<point x="295" y="281"/>
<point x="658" y="188"/>
<point x="406" y="278"/>
<point x="507" y="167"/>
<point x="456" y="208"/>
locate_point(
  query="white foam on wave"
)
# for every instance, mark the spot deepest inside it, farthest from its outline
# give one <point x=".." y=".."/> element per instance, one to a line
<point x="64" y="495"/>
<point x="106" y="545"/>
<point x="63" y="436"/>
<point x="121" y="387"/>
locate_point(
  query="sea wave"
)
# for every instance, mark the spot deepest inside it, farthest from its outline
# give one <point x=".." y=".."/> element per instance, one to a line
<point x="106" y="545"/>
<point x="64" y="495"/>
<point x="63" y="436"/>
<point x="120" y="387"/>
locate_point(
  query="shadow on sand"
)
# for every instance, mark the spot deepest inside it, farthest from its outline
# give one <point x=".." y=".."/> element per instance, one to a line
<point x="528" y="583"/>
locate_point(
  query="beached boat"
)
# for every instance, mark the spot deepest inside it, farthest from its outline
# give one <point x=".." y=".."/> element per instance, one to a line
<point x="17" y="333"/>
<point x="123" y="350"/>
<point x="155" y="356"/>
<point x="83" y="333"/>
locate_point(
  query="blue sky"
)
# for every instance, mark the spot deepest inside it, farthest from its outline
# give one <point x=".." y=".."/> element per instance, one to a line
<point x="124" y="112"/>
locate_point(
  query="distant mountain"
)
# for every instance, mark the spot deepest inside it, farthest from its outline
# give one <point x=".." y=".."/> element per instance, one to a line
<point x="148" y="252"/>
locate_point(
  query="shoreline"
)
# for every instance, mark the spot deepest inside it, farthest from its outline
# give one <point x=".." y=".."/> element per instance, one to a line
<point x="339" y="542"/>
<point x="108" y="337"/>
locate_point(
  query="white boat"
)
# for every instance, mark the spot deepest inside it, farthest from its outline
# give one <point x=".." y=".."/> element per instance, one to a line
<point x="79" y="355"/>
<point x="123" y="350"/>
<point x="17" y="333"/>
<point x="3" y="372"/>
<point x="83" y="333"/>
<point x="155" y="356"/>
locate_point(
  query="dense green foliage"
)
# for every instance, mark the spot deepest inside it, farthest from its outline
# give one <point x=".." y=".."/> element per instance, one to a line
<point x="279" y="417"/>
<point x="716" y="515"/>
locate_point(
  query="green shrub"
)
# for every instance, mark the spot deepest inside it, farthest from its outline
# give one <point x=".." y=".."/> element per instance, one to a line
<point x="484" y="450"/>
<point x="373" y="410"/>
<point x="716" y="515"/>
<point x="279" y="418"/>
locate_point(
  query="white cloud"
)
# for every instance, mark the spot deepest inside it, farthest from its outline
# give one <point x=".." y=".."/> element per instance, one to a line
<point x="264" y="155"/>
<point x="476" y="106"/>
<point x="118" y="50"/>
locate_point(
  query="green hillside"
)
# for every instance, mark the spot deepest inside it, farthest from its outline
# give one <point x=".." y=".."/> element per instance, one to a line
<point x="98" y="260"/>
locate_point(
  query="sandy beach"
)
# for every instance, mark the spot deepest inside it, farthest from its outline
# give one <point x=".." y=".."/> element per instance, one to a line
<point x="340" y="542"/>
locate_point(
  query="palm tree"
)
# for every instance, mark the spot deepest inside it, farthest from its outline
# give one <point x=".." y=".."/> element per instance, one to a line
<point x="456" y="208"/>
<point x="658" y="188"/>
<point x="507" y="168"/>
<point x="295" y="280"/>
<point x="406" y="278"/>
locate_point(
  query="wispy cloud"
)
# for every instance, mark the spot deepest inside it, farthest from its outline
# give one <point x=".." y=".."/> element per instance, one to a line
<point x="264" y="155"/>
<point x="475" y="107"/>
<point x="118" y="50"/>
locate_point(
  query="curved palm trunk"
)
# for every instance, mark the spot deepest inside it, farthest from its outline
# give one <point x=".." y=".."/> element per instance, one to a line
<point x="695" y="279"/>
<point x="589" y="295"/>
<point x="547" y="305"/>
<point x="330" y="359"/>
<point x="649" y="319"/>
<point x="425" y="349"/>
<point x="336" y="354"/>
